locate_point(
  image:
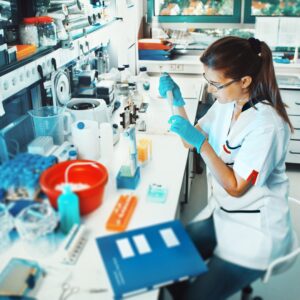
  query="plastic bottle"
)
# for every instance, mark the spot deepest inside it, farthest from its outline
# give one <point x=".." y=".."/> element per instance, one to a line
<point x="120" y="74"/>
<point x="134" y="95"/>
<point x="103" y="64"/>
<point x="106" y="59"/>
<point x="122" y="86"/>
<point x="68" y="209"/>
<point x="126" y="73"/>
<point x="143" y="84"/>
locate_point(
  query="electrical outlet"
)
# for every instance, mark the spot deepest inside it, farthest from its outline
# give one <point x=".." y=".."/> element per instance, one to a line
<point x="173" y="67"/>
<point x="180" y="68"/>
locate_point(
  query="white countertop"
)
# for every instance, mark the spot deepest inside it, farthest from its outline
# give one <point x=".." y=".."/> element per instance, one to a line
<point x="167" y="167"/>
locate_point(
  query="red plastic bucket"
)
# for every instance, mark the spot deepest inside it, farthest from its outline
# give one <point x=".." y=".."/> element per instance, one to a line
<point x="89" y="198"/>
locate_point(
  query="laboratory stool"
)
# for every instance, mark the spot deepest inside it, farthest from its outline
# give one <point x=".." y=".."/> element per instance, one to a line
<point x="282" y="263"/>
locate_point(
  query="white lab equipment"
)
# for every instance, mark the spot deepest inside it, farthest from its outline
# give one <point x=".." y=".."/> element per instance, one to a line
<point x="85" y="136"/>
<point x="88" y="109"/>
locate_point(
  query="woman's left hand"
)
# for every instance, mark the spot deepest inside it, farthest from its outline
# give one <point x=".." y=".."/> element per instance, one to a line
<point x="187" y="131"/>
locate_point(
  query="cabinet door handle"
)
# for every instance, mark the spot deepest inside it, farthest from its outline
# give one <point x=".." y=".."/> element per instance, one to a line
<point x="296" y="128"/>
<point x="297" y="103"/>
<point x="294" y="152"/>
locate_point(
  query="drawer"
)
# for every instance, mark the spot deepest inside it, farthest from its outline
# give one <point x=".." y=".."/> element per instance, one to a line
<point x="293" y="155"/>
<point x="292" y="99"/>
<point x="296" y="124"/>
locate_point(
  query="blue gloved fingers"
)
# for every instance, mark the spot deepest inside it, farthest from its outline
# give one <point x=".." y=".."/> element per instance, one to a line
<point x="165" y="84"/>
<point x="177" y="98"/>
<point x="187" y="131"/>
<point x="176" y="118"/>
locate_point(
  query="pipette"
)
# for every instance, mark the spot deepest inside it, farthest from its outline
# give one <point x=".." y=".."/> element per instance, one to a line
<point x="169" y="95"/>
<point x="170" y="101"/>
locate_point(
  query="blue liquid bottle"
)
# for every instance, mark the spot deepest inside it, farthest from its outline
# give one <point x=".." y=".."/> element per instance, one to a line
<point x="68" y="209"/>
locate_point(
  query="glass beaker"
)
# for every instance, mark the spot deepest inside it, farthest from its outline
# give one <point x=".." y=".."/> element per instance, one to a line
<point x="35" y="225"/>
<point x="51" y="121"/>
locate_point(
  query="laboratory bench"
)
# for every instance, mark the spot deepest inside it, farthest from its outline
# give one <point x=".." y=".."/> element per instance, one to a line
<point x="167" y="167"/>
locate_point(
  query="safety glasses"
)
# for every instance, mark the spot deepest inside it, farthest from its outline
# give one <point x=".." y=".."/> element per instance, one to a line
<point x="219" y="86"/>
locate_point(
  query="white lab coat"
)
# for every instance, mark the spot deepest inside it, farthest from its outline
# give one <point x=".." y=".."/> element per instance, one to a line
<point x="254" y="229"/>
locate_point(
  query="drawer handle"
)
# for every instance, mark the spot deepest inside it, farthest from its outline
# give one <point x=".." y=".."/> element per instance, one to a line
<point x="297" y="103"/>
<point x="297" y="128"/>
<point x="294" y="152"/>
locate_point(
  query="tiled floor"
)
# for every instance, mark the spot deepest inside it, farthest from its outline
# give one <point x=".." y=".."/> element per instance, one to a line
<point x="285" y="286"/>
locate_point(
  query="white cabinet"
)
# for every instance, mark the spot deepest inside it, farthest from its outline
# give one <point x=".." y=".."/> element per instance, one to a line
<point x="130" y="12"/>
<point x="291" y="97"/>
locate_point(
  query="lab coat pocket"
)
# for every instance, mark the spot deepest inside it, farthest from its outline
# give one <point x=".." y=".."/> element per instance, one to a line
<point x="240" y="238"/>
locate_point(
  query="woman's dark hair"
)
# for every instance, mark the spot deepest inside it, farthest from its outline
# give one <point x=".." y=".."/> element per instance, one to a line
<point x="238" y="57"/>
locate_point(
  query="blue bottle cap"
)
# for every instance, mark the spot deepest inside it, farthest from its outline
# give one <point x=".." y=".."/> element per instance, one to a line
<point x="80" y="125"/>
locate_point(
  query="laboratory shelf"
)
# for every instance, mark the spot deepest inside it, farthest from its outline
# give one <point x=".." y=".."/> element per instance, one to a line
<point x="24" y="73"/>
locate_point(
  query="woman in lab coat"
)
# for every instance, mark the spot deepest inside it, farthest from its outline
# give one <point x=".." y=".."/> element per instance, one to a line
<point x="243" y="140"/>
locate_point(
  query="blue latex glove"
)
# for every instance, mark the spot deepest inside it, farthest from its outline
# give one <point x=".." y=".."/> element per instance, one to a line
<point x="166" y="83"/>
<point x="187" y="131"/>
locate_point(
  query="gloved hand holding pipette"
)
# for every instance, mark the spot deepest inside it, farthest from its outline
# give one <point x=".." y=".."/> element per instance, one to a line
<point x="169" y="89"/>
<point x="187" y="131"/>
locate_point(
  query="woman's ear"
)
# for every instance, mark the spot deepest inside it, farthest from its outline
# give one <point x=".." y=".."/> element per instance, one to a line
<point x="246" y="81"/>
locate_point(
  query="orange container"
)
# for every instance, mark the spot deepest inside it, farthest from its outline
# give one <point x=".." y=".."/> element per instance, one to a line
<point x="154" y="44"/>
<point x="144" y="148"/>
<point x="24" y="51"/>
<point x="89" y="198"/>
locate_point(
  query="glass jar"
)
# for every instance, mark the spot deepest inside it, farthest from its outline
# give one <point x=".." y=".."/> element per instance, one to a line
<point x="29" y="32"/>
<point x="47" y="31"/>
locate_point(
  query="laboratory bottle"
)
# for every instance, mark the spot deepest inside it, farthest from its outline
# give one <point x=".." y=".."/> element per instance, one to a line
<point x="134" y="95"/>
<point x="120" y="74"/>
<point x="28" y="32"/>
<point x="126" y="73"/>
<point x="47" y="31"/>
<point x="143" y="84"/>
<point x="68" y="209"/>
<point x="103" y="64"/>
<point x="106" y="59"/>
<point x="122" y="85"/>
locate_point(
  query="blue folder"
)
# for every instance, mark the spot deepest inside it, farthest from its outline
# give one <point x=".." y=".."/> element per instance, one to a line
<point x="155" y="57"/>
<point x="155" y="52"/>
<point x="147" y="258"/>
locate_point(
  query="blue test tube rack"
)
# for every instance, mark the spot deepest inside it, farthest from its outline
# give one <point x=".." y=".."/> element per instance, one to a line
<point x="129" y="176"/>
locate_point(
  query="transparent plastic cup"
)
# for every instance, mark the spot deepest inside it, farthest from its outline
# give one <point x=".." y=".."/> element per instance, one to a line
<point x="51" y="121"/>
<point x="35" y="225"/>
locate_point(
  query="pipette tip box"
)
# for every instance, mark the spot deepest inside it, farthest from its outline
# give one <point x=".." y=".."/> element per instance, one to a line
<point x="128" y="182"/>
